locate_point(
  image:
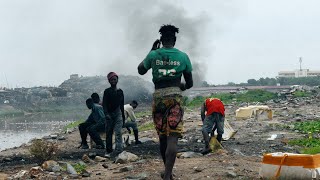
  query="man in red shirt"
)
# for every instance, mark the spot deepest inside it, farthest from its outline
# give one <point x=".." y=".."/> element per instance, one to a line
<point x="214" y="109"/>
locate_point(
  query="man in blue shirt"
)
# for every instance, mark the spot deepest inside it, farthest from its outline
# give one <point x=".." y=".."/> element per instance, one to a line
<point x="93" y="125"/>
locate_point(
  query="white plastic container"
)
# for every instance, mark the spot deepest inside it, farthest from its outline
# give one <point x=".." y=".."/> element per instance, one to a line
<point x="290" y="166"/>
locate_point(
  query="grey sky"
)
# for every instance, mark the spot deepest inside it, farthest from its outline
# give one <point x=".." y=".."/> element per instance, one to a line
<point x="43" y="42"/>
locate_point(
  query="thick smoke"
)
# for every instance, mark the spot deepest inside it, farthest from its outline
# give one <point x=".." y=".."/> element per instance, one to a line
<point x="141" y="20"/>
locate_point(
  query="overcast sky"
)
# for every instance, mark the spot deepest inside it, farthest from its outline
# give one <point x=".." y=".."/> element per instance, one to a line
<point x="43" y="42"/>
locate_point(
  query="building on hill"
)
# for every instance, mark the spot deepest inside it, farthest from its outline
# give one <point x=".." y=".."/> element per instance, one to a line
<point x="298" y="73"/>
<point x="74" y="76"/>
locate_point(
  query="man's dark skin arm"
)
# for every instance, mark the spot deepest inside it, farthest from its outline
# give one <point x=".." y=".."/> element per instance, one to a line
<point x="104" y="103"/>
<point x="189" y="81"/>
<point x="141" y="69"/>
<point x="155" y="46"/>
<point x="203" y="110"/>
<point x="122" y="108"/>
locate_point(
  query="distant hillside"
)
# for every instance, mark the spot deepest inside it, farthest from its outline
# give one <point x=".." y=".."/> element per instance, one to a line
<point x="134" y="88"/>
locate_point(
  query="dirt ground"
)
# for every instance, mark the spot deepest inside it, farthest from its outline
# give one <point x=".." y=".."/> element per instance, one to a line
<point x="240" y="159"/>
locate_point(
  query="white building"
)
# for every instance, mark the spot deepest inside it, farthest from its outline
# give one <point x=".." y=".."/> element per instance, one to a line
<point x="299" y="73"/>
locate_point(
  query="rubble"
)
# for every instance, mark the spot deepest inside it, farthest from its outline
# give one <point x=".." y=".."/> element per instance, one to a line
<point x="126" y="157"/>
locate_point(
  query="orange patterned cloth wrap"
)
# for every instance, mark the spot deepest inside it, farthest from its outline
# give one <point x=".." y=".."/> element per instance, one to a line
<point x="167" y="111"/>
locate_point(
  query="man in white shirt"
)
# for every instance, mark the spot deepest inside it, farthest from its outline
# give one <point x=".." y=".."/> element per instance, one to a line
<point x="128" y="112"/>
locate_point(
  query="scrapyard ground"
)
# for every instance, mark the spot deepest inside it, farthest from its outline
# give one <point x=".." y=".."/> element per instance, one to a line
<point x="241" y="158"/>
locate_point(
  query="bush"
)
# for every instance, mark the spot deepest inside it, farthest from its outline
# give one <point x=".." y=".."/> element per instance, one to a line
<point x="80" y="168"/>
<point x="306" y="142"/>
<point x="146" y="126"/>
<point x="311" y="150"/>
<point x="43" y="150"/>
<point x="301" y="94"/>
<point x="196" y="102"/>
<point x="257" y="95"/>
<point x="308" y="126"/>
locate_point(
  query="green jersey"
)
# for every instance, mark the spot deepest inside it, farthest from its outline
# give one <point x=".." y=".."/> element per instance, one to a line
<point x="167" y="63"/>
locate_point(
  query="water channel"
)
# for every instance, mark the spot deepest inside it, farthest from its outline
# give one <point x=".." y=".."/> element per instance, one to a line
<point x="14" y="131"/>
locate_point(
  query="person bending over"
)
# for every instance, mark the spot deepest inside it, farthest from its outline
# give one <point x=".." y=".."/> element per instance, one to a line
<point x="128" y="109"/>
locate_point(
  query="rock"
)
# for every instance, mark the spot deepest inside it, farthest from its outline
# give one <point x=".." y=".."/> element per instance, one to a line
<point x="86" y="174"/>
<point x="125" y="157"/>
<point x="198" y="169"/>
<point x="61" y="138"/>
<point x="125" y="169"/>
<point x="56" y="168"/>
<point x="141" y="161"/>
<point x="21" y="175"/>
<point x="46" y="137"/>
<point x="231" y="174"/>
<point x="92" y="155"/>
<point x="35" y="171"/>
<point x="71" y="170"/>
<point x="7" y="159"/>
<point x="291" y="126"/>
<point x="145" y="139"/>
<point x="100" y="159"/>
<point x="68" y="131"/>
<point x="105" y="165"/>
<point x="82" y="163"/>
<point x="53" y="136"/>
<point x="50" y="166"/>
<point x="74" y="176"/>
<point x="230" y="168"/>
<point x="189" y="154"/>
<point x="86" y="159"/>
<point x="141" y="176"/>
<point x="183" y="140"/>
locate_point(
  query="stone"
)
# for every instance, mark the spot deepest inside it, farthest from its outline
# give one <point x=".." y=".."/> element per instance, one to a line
<point x="231" y="174"/>
<point x="126" y="168"/>
<point x="61" y="138"/>
<point x="188" y="154"/>
<point x="56" y="168"/>
<point x="21" y="175"/>
<point x="53" y="136"/>
<point x="198" y="169"/>
<point x="7" y="159"/>
<point x="183" y="140"/>
<point x="74" y="176"/>
<point x="86" y="159"/>
<point x="35" y="171"/>
<point x="82" y="163"/>
<point x="100" y="159"/>
<point x="71" y="170"/>
<point x="145" y="139"/>
<point x="105" y="165"/>
<point x="141" y="176"/>
<point x="126" y="157"/>
<point x="86" y="174"/>
<point x="49" y="165"/>
<point x="92" y="155"/>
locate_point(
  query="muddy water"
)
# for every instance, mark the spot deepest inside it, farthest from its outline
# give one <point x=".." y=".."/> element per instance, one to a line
<point x="15" y="131"/>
